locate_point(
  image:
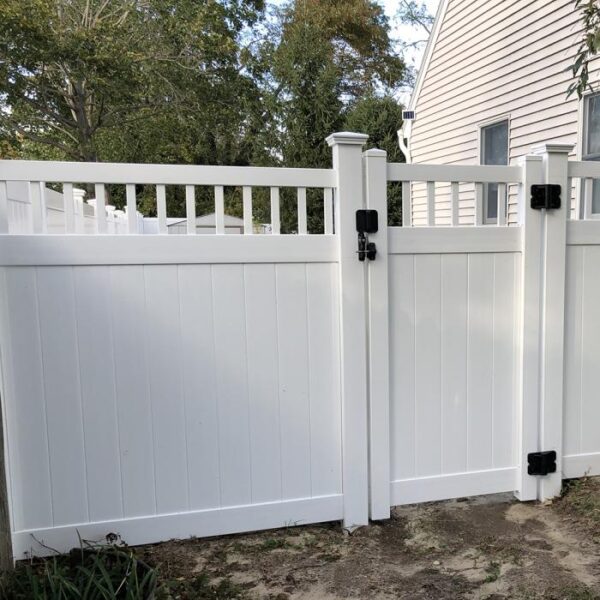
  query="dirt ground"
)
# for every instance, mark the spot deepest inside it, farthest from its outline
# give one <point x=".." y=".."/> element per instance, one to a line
<point x="490" y="547"/>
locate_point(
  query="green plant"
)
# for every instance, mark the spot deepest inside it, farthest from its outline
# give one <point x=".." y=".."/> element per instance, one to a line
<point x="493" y="572"/>
<point x="89" y="573"/>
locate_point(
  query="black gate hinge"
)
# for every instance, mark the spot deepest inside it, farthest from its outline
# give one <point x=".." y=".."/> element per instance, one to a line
<point x="541" y="463"/>
<point x="545" y="196"/>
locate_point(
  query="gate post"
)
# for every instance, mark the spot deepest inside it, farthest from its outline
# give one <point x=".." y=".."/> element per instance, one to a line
<point x="375" y="166"/>
<point x="555" y="161"/>
<point x="528" y="396"/>
<point x="349" y="197"/>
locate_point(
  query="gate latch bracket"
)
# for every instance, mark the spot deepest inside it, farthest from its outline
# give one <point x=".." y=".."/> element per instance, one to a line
<point x="541" y="463"/>
<point x="545" y="196"/>
<point x="366" y="222"/>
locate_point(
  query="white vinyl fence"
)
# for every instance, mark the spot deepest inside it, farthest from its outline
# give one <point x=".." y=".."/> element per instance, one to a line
<point x="166" y="386"/>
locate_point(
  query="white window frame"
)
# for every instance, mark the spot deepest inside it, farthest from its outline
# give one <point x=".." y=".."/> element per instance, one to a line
<point x="481" y="127"/>
<point x="584" y="112"/>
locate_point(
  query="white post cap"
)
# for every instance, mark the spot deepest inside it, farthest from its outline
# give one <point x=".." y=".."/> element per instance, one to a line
<point x="553" y="148"/>
<point x="347" y="138"/>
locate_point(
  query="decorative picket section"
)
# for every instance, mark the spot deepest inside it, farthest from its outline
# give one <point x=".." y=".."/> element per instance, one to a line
<point x="37" y="174"/>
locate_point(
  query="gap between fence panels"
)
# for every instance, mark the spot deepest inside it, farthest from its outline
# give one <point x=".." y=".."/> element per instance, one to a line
<point x="313" y="386"/>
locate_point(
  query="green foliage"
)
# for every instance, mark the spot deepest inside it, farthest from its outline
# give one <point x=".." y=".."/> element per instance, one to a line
<point x="72" y="71"/>
<point x="108" y="572"/>
<point x="380" y="119"/>
<point x="200" y="588"/>
<point x="589" y="47"/>
<point x="103" y="573"/>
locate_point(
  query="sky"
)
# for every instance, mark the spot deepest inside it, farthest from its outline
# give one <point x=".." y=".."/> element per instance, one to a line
<point x="405" y="33"/>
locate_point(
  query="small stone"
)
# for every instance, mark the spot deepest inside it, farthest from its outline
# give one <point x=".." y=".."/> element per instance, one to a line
<point x="436" y="563"/>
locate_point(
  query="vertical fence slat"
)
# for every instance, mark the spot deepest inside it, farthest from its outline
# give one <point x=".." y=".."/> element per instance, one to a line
<point x="588" y="198"/>
<point x="69" y="208"/>
<point x="3" y="207"/>
<point x="328" y="210"/>
<point x="454" y="204"/>
<point x="131" y="208"/>
<point x="190" y="209"/>
<point x="406" y="204"/>
<point x="161" y="208"/>
<point x="36" y="193"/>
<point x="478" y="220"/>
<point x="219" y="209"/>
<point x="275" y="219"/>
<point x="79" y="220"/>
<point x="430" y="203"/>
<point x="578" y="204"/>
<point x="101" y="224"/>
<point x="43" y="207"/>
<point x="302" y="225"/>
<point x="247" y="201"/>
<point x="501" y="205"/>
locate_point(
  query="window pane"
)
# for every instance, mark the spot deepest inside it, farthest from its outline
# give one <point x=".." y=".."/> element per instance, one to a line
<point x="492" y="201"/>
<point x="596" y="198"/>
<point x="494" y="151"/>
<point x="593" y="125"/>
<point x="495" y="144"/>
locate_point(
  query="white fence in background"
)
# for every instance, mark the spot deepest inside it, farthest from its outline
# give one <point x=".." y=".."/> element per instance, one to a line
<point x="162" y="386"/>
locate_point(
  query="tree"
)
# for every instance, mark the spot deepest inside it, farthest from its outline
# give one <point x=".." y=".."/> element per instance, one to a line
<point x="324" y="55"/>
<point x="589" y="47"/>
<point x="410" y="12"/>
<point x="72" y="71"/>
<point x="380" y="118"/>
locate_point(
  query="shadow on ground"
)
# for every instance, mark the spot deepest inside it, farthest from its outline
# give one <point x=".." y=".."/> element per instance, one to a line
<point x="490" y="547"/>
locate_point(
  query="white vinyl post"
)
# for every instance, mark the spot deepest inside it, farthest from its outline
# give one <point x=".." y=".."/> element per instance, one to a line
<point x="555" y="161"/>
<point x="375" y="168"/>
<point x="349" y="197"/>
<point x="528" y="396"/>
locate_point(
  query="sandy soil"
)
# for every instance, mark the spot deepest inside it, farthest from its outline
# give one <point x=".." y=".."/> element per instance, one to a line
<point x="490" y="547"/>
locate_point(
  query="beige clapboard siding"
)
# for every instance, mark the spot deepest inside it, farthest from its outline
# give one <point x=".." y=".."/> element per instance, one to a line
<point x="506" y="34"/>
<point x="494" y="59"/>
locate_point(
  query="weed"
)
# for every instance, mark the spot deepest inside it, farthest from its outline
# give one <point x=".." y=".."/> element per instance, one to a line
<point x="493" y="572"/>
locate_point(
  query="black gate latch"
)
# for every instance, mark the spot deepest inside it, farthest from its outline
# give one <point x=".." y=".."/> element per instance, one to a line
<point x="545" y="196"/>
<point x="366" y="223"/>
<point x="541" y="463"/>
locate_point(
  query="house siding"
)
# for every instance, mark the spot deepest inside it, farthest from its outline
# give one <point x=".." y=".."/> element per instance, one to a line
<point x="494" y="60"/>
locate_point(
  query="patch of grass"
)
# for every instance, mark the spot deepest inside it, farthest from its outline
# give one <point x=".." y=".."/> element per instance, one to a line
<point x="274" y="544"/>
<point x="581" y="502"/>
<point x="90" y="572"/>
<point x="578" y="593"/>
<point x="108" y="572"/>
<point x="200" y="588"/>
<point x="493" y="572"/>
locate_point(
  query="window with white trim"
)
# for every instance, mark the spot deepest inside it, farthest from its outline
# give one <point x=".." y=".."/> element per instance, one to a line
<point x="494" y="151"/>
<point x="591" y="141"/>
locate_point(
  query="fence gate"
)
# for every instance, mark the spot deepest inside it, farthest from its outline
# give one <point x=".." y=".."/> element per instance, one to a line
<point x="466" y="331"/>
